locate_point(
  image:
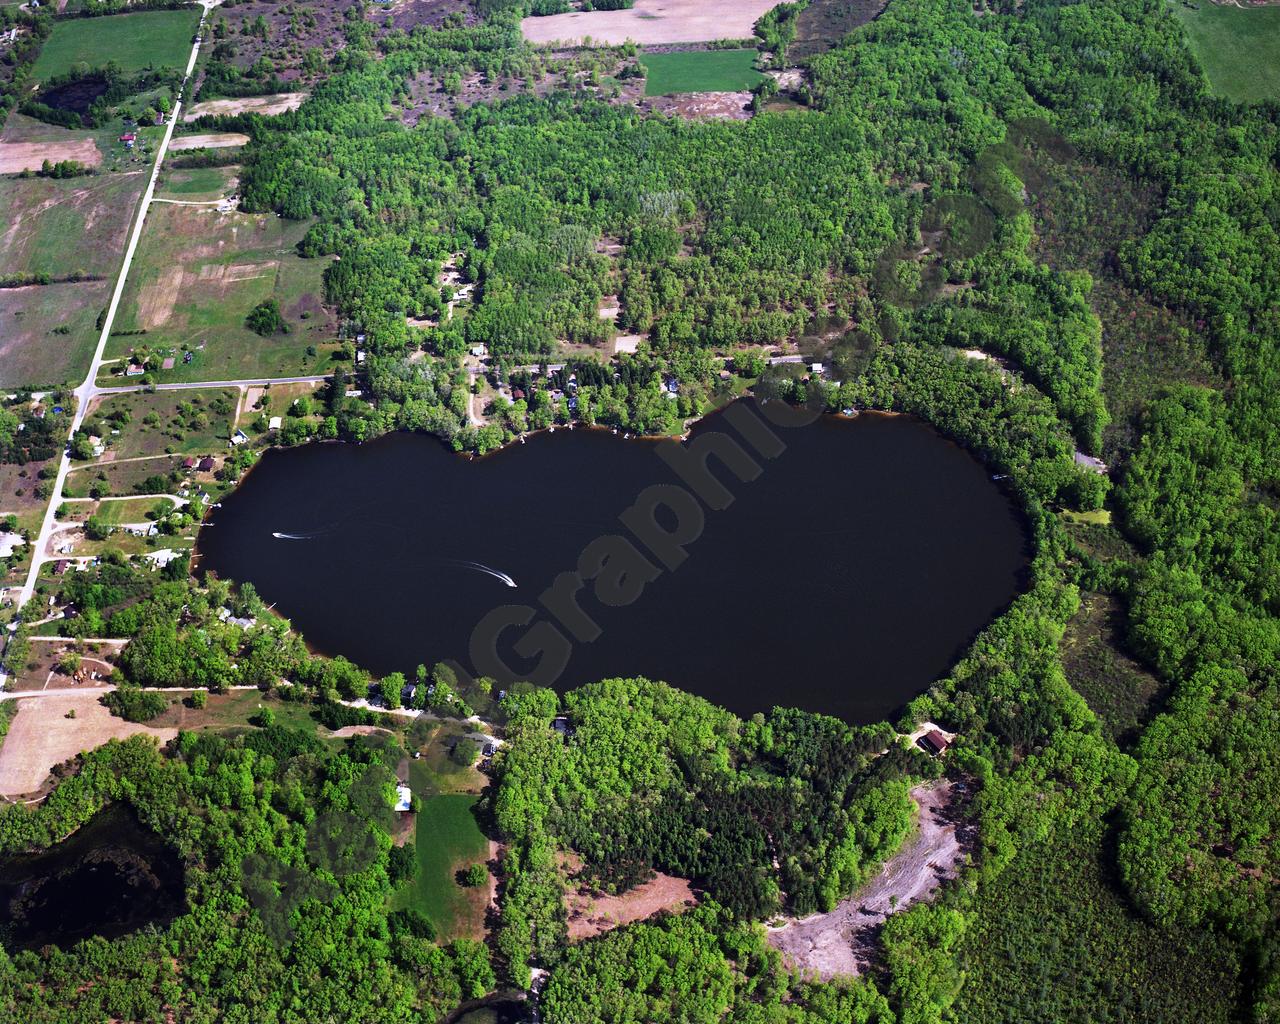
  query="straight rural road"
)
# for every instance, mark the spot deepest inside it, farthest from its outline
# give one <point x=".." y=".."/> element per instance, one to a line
<point x="88" y="390"/>
<point x="194" y="385"/>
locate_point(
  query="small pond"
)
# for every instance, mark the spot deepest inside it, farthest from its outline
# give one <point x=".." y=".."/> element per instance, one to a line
<point x="844" y="577"/>
<point x="110" y="877"/>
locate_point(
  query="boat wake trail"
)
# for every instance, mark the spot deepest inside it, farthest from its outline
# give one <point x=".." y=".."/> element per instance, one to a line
<point x="309" y="535"/>
<point x="488" y="571"/>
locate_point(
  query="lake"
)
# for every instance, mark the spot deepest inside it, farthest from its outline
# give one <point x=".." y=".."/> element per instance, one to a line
<point x="845" y="575"/>
<point x="112" y="876"/>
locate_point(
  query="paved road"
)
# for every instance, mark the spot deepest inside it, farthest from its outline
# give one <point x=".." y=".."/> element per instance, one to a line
<point x="256" y="382"/>
<point x="80" y="691"/>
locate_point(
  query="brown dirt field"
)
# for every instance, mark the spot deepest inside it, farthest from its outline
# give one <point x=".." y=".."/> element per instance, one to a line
<point x="652" y="22"/>
<point x="842" y="941"/>
<point x="218" y="140"/>
<point x="593" y="915"/>
<point x="28" y="156"/>
<point x="278" y="103"/>
<point x="155" y="304"/>
<point x="41" y="736"/>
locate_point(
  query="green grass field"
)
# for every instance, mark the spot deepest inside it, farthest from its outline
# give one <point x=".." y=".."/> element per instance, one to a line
<point x="197" y="274"/>
<point x="700" y="71"/>
<point x="197" y="184"/>
<point x="1238" y="49"/>
<point x="131" y="510"/>
<point x="134" y="41"/>
<point x="447" y="840"/>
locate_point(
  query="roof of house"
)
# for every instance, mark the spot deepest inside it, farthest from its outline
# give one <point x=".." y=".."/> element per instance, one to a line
<point x="936" y="740"/>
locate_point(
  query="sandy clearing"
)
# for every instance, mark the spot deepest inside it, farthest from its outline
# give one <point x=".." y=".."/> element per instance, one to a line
<point x="729" y="106"/>
<point x="590" y="915"/>
<point x="220" y="140"/>
<point x="277" y="103"/>
<point x="841" y="941"/>
<point x="359" y="730"/>
<point x="42" y="736"/>
<point x="28" y="156"/>
<point x="652" y="22"/>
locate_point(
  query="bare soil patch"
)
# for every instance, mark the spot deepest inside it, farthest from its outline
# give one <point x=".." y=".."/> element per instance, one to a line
<point x="42" y="736"/>
<point x="28" y="156"/>
<point x="277" y="103"/>
<point x="159" y="296"/>
<point x="218" y="140"/>
<point x="842" y="941"/>
<point x="593" y="915"/>
<point x="729" y="106"/>
<point x="359" y="730"/>
<point x="652" y="22"/>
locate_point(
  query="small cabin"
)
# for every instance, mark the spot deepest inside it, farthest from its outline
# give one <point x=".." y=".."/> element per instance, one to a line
<point x="934" y="742"/>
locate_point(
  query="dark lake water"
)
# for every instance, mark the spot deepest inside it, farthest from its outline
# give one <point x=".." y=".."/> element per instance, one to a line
<point x="844" y="578"/>
<point x="109" y="878"/>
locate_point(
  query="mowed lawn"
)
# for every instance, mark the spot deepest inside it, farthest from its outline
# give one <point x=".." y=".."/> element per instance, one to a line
<point x="197" y="184"/>
<point x="134" y="41"/>
<point x="1238" y="49"/>
<point x="447" y="840"/>
<point x="197" y="274"/>
<point x="700" y="71"/>
<point x="131" y="510"/>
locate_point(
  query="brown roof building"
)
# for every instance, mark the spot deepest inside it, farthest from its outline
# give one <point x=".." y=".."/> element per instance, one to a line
<point x="934" y="742"/>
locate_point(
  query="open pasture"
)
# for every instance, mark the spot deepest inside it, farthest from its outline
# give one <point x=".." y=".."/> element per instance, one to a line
<point x="70" y="228"/>
<point x="121" y="478"/>
<point x="47" y="332"/>
<point x="75" y="226"/>
<point x="651" y="23"/>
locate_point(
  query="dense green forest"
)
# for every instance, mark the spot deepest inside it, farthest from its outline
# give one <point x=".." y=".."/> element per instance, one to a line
<point x="1052" y="183"/>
